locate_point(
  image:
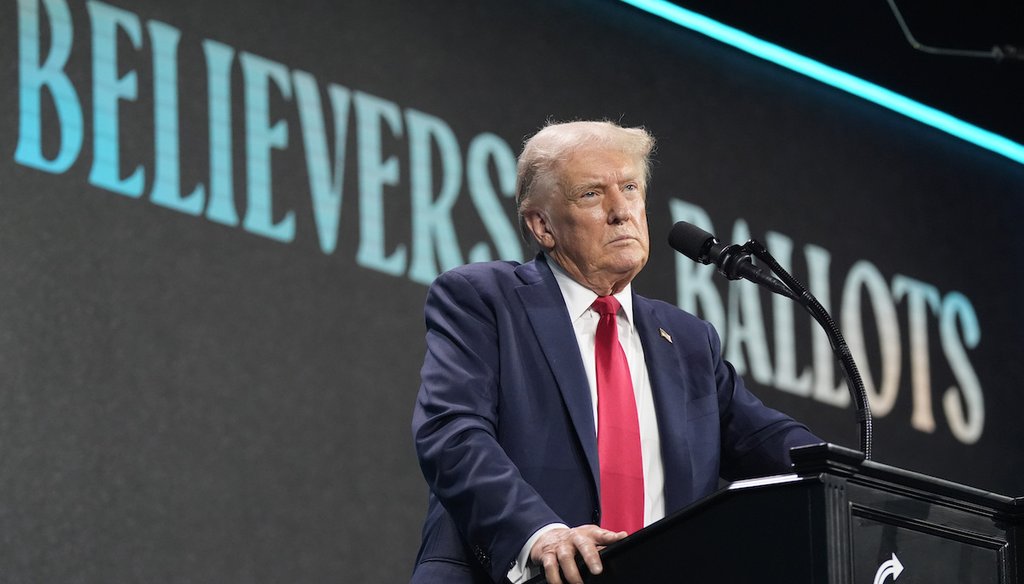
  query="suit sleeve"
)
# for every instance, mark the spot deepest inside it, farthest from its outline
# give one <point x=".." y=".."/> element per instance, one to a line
<point x="755" y="438"/>
<point x="455" y="429"/>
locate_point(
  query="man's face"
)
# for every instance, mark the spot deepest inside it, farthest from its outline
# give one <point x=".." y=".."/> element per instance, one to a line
<point x="595" y="224"/>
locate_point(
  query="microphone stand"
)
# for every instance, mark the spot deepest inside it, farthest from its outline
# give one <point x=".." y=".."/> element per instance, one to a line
<point x="835" y="338"/>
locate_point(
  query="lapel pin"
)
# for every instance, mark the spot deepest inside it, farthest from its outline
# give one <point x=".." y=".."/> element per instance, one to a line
<point x="665" y="335"/>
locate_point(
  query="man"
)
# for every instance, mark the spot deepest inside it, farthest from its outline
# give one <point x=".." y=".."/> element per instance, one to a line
<point x="547" y="430"/>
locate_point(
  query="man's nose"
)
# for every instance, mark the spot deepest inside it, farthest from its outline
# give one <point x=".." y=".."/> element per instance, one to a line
<point x="618" y="206"/>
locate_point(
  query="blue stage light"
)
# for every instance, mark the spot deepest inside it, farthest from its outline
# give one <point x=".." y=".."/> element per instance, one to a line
<point x="834" y="77"/>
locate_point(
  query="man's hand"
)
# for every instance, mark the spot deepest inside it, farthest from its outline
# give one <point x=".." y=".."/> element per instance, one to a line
<point x="558" y="548"/>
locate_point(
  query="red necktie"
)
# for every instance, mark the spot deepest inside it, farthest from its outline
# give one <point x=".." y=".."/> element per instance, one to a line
<point x="618" y="431"/>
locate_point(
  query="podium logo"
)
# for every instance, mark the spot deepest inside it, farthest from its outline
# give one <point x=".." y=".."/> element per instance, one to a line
<point x="888" y="568"/>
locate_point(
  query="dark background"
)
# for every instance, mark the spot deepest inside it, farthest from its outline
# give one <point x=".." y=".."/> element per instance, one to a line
<point x="865" y="39"/>
<point x="183" y="401"/>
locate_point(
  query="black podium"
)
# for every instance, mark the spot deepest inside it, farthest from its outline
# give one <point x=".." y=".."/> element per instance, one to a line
<point x="837" y="520"/>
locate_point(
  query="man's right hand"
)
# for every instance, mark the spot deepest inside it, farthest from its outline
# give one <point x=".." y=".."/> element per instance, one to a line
<point x="556" y="551"/>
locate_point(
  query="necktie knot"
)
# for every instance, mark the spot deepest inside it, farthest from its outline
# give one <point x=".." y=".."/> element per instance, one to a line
<point x="605" y="305"/>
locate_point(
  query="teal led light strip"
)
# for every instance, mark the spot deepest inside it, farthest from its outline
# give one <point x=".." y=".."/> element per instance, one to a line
<point x="834" y="77"/>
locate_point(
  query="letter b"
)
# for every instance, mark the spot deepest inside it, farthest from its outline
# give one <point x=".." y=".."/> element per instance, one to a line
<point x="33" y="76"/>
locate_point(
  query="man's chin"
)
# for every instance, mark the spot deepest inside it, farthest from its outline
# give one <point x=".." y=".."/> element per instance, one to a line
<point x="635" y="257"/>
<point x="629" y="266"/>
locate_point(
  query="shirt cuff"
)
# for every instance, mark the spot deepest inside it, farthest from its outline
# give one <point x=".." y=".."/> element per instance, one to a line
<point x="522" y="570"/>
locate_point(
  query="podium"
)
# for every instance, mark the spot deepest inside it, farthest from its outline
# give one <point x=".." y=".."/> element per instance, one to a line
<point x="837" y="520"/>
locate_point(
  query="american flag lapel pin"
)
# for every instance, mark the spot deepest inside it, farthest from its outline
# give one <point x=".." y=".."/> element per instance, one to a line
<point x="665" y="335"/>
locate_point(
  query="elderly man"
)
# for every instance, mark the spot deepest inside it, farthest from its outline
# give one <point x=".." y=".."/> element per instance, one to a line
<point x="558" y="409"/>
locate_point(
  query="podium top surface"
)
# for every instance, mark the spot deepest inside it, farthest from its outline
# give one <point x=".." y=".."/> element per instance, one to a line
<point x="844" y="462"/>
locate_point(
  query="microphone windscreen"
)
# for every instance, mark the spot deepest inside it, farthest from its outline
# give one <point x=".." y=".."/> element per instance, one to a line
<point x="688" y="239"/>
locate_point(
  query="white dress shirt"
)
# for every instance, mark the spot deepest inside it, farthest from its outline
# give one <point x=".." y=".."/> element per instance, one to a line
<point x="584" y="321"/>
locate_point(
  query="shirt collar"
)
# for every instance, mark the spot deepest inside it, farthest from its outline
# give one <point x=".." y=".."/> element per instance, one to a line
<point x="578" y="297"/>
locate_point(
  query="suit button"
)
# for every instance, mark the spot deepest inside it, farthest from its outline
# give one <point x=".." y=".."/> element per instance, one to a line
<point x="482" y="557"/>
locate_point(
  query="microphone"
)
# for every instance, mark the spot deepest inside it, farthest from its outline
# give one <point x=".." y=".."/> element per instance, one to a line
<point x="733" y="261"/>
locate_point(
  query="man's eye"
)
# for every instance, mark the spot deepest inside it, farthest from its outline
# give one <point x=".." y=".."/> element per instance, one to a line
<point x="589" y="194"/>
<point x="632" y="187"/>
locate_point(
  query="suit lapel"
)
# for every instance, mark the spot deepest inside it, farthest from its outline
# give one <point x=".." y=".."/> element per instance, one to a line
<point x="545" y="309"/>
<point x="667" y="375"/>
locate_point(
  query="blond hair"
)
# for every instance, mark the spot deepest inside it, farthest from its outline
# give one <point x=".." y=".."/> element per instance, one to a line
<point x="543" y="154"/>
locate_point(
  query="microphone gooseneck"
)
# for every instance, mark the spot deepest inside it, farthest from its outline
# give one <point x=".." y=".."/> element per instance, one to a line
<point x="733" y="262"/>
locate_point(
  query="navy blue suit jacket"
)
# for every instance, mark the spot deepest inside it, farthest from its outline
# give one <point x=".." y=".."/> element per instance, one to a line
<point x="504" y="427"/>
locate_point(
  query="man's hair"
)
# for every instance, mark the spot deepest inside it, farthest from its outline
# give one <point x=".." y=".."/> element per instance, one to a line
<point x="543" y="154"/>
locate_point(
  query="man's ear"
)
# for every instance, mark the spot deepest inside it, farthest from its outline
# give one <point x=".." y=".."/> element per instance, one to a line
<point x="537" y="224"/>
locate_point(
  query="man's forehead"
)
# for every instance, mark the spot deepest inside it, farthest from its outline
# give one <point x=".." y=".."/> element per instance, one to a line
<point x="601" y="165"/>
